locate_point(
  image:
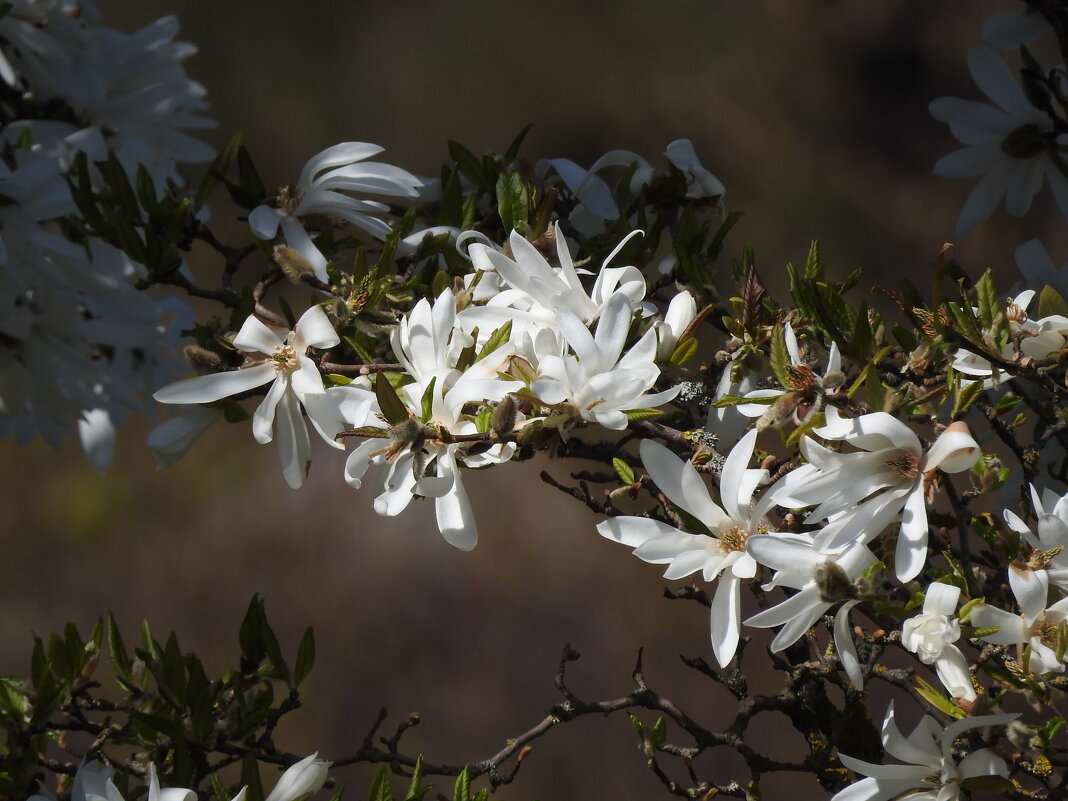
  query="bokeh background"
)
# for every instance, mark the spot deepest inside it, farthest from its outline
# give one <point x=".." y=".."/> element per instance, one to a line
<point x="815" y="117"/>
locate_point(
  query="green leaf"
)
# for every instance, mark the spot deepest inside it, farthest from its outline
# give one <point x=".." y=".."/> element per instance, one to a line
<point x="250" y="777"/>
<point x="426" y="403"/>
<point x="978" y="632"/>
<point x="513" y="205"/>
<point x="937" y="699"/>
<point x="513" y="149"/>
<point x="416" y="788"/>
<point x="117" y="654"/>
<point x="467" y="163"/>
<point x="1051" y="303"/>
<point x="965" y="396"/>
<point x="779" y="357"/>
<point x="461" y="790"/>
<point x="642" y="414"/>
<point x="725" y="401"/>
<point x="1050" y="729"/>
<point x="248" y="177"/>
<point x="623" y="470"/>
<point x="305" y="657"/>
<point x="217" y="171"/>
<point x="496" y="339"/>
<point x="684" y="351"/>
<point x="987" y="300"/>
<point x="715" y="247"/>
<point x="658" y="734"/>
<point x="380" y="789"/>
<point x="987" y="784"/>
<point x="862" y="342"/>
<point x="393" y="408"/>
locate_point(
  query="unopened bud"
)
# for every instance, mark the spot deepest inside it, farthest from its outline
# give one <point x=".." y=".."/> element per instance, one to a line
<point x="202" y="359"/>
<point x="502" y="421"/>
<point x="293" y="264"/>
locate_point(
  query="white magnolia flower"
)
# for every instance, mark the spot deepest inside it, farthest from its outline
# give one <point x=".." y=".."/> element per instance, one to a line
<point x="860" y="493"/>
<point x="417" y="463"/>
<point x="1036" y="626"/>
<point x="1038" y="269"/>
<point x="931" y="773"/>
<point x="680" y="313"/>
<point x="721" y="552"/>
<point x="804" y="378"/>
<point x="300" y="780"/>
<point x="1008" y="30"/>
<point x="931" y="634"/>
<point x="597" y="380"/>
<point x="294" y="380"/>
<point x="536" y="292"/>
<point x="596" y="202"/>
<point x="700" y="182"/>
<point x="823" y="578"/>
<point x="1009" y="144"/>
<point x="93" y="782"/>
<point x="1052" y="534"/>
<point x="321" y="189"/>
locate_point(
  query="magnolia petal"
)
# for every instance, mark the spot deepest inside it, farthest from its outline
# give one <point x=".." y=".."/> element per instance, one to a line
<point x="263" y="418"/>
<point x="264" y="221"/>
<point x="952" y="670"/>
<point x="736" y="485"/>
<point x="634" y="531"/>
<point x="911" y="554"/>
<point x="843" y="643"/>
<point x="726" y="615"/>
<point x="291" y="437"/>
<point x="208" y="388"/>
<point x="256" y="336"/>
<point x="955" y="450"/>
<point x="682" y="485"/>
<point x="941" y="599"/>
<point x="1011" y="627"/>
<point x="335" y="156"/>
<point x="871" y="789"/>
<point x="1031" y="587"/>
<point x="456" y="521"/>
<point x="314" y="330"/>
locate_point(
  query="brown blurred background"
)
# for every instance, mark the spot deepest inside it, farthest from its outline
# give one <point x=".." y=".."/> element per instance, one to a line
<point x="814" y="115"/>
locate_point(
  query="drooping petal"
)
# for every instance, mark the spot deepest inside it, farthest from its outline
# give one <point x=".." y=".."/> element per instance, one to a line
<point x="291" y="438"/>
<point x="726" y="614"/>
<point x="456" y="521"/>
<point x="843" y="643"/>
<point x="263" y="417"/>
<point x="633" y="531"/>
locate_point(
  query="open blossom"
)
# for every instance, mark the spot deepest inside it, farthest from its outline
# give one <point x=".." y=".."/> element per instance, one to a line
<point x="597" y="381"/>
<point x="294" y="380"/>
<point x="321" y="189"/>
<point x="931" y="634"/>
<point x="862" y="492"/>
<point x="718" y="553"/>
<point x="1010" y="144"/>
<point x="823" y="578"/>
<point x="299" y="780"/>
<point x="93" y="782"/>
<point x="931" y="772"/>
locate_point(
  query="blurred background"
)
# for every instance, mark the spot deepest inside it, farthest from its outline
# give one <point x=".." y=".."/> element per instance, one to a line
<point x="815" y="117"/>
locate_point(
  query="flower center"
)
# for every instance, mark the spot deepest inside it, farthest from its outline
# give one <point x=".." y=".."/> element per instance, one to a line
<point x="284" y="359"/>
<point x="732" y="539"/>
<point x="1024" y="142"/>
<point x="906" y="465"/>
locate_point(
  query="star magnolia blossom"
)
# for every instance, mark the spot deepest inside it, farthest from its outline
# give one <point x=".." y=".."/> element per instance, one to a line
<point x="1050" y="545"/>
<point x="320" y="190"/>
<point x="862" y="492"/>
<point x="931" y="772"/>
<point x="294" y="379"/>
<point x="93" y="782"/>
<point x="823" y="579"/>
<point x="1009" y="144"/>
<point x="1036" y="626"/>
<point x="599" y="382"/>
<point x="931" y="634"/>
<point x="417" y="464"/>
<point x="721" y="552"/>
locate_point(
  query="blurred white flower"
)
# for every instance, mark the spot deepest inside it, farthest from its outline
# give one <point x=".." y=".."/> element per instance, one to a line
<point x="1009" y="144"/>
<point x="700" y="183"/>
<point x="300" y="780"/>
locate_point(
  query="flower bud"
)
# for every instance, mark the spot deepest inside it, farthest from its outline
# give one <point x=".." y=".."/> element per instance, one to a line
<point x="300" y="780"/>
<point x="293" y="264"/>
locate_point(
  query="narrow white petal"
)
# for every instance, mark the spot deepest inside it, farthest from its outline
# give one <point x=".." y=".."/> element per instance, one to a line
<point x="843" y="643"/>
<point x="208" y="388"/>
<point x="682" y="485"/>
